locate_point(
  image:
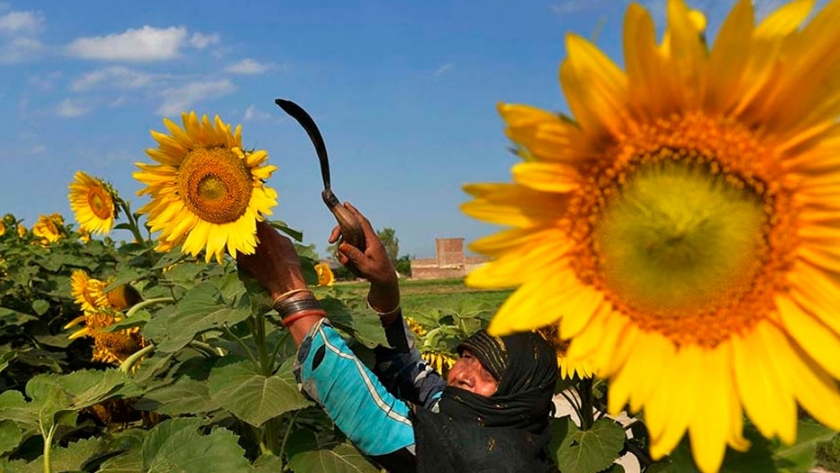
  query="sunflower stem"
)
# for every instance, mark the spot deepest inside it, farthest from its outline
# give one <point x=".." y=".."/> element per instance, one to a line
<point x="587" y="418"/>
<point x="572" y="402"/>
<point x="136" y="307"/>
<point x="48" y="438"/>
<point x="266" y="363"/>
<point x="126" y="365"/>
<point x="204" y="348"/>
<point x="286" y="437"/>
<point x="241" y="343"/>
<point x="278" y="345"/>
<point x="134" y="224"/>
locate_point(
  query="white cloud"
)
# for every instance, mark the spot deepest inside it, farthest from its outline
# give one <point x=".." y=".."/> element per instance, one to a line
<point x="21" y="22"/>
<point x="37" y="149"/>
<point x="201" y="41"/>
<point x="115" y="76"/>
<point x="178" y="99"/>
<point x="143" y="44"/>
<point x="251" y="113"/>
<point x="69" y="108"/>
<point x="20" y="50"/>
<point x="444" y="69"/>
<point x="247" y="66"/>
<point x="20" y="30"/>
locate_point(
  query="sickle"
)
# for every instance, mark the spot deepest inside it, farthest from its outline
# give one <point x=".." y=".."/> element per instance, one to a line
<point x="351" y="228"/>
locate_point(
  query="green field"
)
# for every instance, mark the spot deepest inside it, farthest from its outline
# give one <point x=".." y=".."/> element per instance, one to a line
<point x="442" y="294"/>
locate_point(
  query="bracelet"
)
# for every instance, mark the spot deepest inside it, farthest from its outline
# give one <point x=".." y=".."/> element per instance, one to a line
<point x="304" y="313"/>
<point x="288" y="294"/>
<point x="290" y="307"/>
<point x="391" y="312"/>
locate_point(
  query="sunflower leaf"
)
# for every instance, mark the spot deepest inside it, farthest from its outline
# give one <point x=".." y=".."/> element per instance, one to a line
<point x="177" y="445"/>
<point x="590" y="451"/>
<point x="10" y="436"/>
<point x="251" y="396"/>
<point x="73" y="457"/>
<point x="201" y="309"/>
<point x="307" y="453"/>
<point x="185" y="396"/>
<point x="801" y="456"/>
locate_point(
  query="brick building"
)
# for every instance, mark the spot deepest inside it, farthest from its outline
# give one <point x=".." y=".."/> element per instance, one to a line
<point x="449" y="261"/>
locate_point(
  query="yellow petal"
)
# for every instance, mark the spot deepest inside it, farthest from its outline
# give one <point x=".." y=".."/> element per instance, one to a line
<point x="813" y="336"/>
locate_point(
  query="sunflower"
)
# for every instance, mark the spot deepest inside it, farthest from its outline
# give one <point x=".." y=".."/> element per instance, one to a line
<point x="92" y="201"/>
<point x="680" y="226"/>
<point x="108" y="347"/>
<point x="47" y="228"/>
<point x="87" y="292"/>
<point x="2" y="228"/>
<point x="568" y="369"/>
<point x="415" y="327"/>
<point x="325" y="274"/>
<point x="441" y="362"/>
<point x="207" y="192"/>
<point x="21" y="230"/>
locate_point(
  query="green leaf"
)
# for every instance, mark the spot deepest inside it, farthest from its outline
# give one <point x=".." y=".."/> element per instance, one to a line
<point x="268" y="464"/>
<point x="281" y="225"/>
<point x="55" y="398"/>
<point x="252" y="397"/>
<point x="74" y="456"/>
<point x="593" y="450"/>
<point x="801" y="455"/>
<point x="360" y="324"/>
<point x="129" y="442"/>
<point x="308" y="455"/>
<point x="40" y="306"/>
<point x="10" y="436"/>
<point x="177" y="445"/>
<point x="185" y="396"/>
<point x="138" y="319"/>
<point x="200" y="310"/>
<point x="126" y="275"/>
<point x="7" y="358"/>
<point x="14" y="317"/>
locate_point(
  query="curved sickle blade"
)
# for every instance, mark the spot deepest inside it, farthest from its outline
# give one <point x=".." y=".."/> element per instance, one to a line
<point x="295" y="111"/>
<point x="351" y="228"/>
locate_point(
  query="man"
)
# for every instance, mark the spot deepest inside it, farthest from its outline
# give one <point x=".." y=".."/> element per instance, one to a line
<point x="491" y="414"/>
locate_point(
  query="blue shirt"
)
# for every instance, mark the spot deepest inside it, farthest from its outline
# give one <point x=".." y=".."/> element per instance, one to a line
<point x="370" y="407"/>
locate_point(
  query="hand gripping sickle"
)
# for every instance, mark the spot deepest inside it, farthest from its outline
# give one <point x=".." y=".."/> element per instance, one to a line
<point x="351" y="228"/>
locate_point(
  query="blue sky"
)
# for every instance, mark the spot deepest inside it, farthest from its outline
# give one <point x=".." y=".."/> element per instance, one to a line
<point x="405" y="95"/>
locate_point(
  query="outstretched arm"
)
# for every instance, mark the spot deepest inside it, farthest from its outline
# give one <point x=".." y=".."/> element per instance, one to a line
<point x="328" y="371"/>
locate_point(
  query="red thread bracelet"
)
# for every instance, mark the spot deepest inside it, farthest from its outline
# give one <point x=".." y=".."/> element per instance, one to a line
<point x="304" y="313"/>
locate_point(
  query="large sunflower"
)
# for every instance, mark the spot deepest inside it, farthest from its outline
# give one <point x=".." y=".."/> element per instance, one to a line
<point x="683" y="227"/>
<point x="92" y="202"/>
<point x="207" y="192"/>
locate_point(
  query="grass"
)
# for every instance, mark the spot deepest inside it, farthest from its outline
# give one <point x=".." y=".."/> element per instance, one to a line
<point x="428" y="294"/>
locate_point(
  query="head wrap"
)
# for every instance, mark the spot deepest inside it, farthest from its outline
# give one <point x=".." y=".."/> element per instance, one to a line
<point x="507" y="431"/>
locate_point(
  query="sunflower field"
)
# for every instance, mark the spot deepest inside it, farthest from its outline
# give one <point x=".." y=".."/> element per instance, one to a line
<point x="673" y="237"/>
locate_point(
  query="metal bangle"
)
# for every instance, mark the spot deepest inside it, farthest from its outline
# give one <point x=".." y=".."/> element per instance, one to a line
<point x="286" y="308"/>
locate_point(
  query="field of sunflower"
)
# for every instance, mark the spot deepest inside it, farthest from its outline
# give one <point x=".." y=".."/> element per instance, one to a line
<point x="673" y="238"/>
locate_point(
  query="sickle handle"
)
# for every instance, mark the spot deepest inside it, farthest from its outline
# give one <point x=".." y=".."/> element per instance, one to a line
<point x="351" y="228"/>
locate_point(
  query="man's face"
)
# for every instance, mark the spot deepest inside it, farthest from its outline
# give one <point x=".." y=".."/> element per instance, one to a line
<point x="469" y="375"/>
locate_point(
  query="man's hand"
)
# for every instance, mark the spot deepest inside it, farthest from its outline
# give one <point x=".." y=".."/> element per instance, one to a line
<point x="372" y="264"/>
<point x="275" y="263"/>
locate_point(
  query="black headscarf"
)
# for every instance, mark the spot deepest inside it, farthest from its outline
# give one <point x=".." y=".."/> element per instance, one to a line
<point x="506" y="432"/>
